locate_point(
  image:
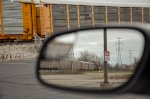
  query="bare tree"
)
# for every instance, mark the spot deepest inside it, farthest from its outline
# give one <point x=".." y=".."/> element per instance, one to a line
<point x="90" y="57"/>
<point x="136" y="61"/>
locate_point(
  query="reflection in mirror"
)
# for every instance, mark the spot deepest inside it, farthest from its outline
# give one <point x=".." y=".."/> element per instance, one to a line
<point x="60" y="46"/>
<point x="101" y="58"/>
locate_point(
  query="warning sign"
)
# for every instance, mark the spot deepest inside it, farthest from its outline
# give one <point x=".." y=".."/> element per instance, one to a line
<point x="106" y="55"/>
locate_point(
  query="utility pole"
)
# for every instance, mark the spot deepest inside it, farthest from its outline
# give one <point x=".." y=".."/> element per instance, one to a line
<point x="119" y="49"/>
<point x="105" y="62"/>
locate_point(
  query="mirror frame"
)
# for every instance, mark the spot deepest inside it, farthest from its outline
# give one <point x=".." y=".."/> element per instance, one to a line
<point x="126" y="87"/>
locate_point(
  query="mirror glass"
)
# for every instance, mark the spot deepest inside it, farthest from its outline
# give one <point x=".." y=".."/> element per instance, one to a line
<point x="95" y="59"/>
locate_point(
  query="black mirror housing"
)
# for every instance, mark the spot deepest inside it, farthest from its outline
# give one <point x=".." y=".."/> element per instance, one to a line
<point x="127" y="87"/>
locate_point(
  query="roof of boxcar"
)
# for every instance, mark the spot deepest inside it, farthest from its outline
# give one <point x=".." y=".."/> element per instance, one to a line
<point x="120" y="3"/>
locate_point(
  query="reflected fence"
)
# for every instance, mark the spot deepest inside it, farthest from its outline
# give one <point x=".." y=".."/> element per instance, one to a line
<point x="73" y="67"/>
<point x="65" y="66"/>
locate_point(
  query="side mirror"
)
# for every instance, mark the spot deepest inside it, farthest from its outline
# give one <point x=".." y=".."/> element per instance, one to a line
<point x="93" y="60"/>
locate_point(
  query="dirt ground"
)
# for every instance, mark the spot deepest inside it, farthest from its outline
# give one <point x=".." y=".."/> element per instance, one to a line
<point x="87" y="80"/>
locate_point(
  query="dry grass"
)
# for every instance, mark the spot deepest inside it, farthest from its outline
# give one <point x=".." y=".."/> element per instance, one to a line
<point x="119" y="75"/>
<point x="114" y="75"/>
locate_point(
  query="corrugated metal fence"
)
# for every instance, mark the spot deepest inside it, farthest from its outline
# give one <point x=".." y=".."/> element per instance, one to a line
<point x="64" y="66"/>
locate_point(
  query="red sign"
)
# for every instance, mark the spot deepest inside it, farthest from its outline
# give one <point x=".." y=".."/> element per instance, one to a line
<point x="106" y="55"/>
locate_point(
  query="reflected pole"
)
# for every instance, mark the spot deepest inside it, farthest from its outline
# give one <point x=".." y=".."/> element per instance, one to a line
<point x="105" y="61"/>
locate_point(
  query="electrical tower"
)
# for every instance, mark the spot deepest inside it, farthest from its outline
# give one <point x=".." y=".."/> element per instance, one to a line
<point x="71" y="54"/>
<point x="130" y="57"/>
<point x="119" y="48"/>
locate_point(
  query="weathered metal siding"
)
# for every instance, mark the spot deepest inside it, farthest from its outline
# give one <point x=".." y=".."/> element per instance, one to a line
<point x="73" y="17"/>
<point x="12" y="13"/>
<point x="85" y="16"/>
<point x="125" y="14"/>
<point x="67" y="65"/>
<point x="147" y="15"/>
<point x="59" y="18"/>
<point x="99" y="15"/>
<point x="45" y="20"/>
<point x="113" y="14"/>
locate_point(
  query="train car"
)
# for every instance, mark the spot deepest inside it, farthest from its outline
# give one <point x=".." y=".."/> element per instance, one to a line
<point x="22" y="21"/>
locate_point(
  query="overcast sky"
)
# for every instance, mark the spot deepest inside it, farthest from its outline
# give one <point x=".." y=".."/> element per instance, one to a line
<point x="121" y="3"/>
<point x="92" y="41"/>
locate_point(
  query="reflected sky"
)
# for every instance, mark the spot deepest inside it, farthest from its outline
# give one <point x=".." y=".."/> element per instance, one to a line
<point x="92" y="42"/>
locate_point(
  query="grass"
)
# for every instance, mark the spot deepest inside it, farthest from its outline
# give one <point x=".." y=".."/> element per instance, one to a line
<point x="112" y="75"/>
<point x="94" y="74"/>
